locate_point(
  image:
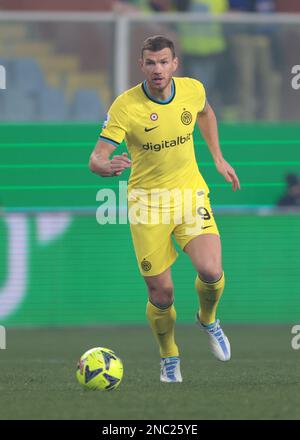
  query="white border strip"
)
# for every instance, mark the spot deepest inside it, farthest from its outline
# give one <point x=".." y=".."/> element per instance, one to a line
<point x="245" y="18"/>
<point x="76" y="17"/>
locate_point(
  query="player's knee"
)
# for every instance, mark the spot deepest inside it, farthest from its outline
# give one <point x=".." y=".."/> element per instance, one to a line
<point x="161" y="296"/>
<point x="210" y="274"/>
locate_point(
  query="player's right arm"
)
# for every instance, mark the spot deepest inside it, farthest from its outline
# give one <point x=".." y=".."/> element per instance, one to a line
<point x="101" y="164"/>
<point x="113" y="132"/>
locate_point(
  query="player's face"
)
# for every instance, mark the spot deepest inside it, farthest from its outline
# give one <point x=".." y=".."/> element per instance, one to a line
<point x="158" y="68"/>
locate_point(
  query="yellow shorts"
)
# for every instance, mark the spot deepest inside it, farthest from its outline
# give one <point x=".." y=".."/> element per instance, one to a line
<point x="153" y="244"/>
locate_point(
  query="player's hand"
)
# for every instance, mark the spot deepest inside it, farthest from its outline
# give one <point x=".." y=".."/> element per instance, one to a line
<point x="119" y="164"/>
<point x="228" y="172"/>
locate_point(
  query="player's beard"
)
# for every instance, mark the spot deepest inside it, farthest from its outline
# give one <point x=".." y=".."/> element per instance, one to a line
<point x="161" y="87"/>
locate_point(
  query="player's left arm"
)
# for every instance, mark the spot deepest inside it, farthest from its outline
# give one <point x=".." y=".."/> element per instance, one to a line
<point x="207" y="122"/>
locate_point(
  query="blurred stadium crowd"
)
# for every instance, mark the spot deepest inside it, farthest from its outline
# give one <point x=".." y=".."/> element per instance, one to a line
<point x="65" y="71"/>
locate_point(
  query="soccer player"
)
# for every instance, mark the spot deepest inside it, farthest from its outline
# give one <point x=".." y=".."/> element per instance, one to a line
<point x="157" y="118"/>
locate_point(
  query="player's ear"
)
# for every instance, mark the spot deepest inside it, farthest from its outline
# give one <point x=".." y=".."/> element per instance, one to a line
<point x="141" y="63"/>
<point x="175" y="64"/>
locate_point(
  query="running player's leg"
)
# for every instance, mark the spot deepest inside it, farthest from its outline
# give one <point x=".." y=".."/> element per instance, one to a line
<point x="205" y="253"/>
<point x="155" y="254"/>
<point x="161" y="312"/>
<point x="199" y="238"/>
<point x="161" y="315"/>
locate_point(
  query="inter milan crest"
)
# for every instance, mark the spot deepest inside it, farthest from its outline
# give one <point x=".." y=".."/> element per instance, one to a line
<point x="146" y="265"/>
<point x="186" y="117"/>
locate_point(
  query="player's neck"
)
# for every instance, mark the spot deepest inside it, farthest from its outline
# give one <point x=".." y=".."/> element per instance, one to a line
<point x="160" y="95"/>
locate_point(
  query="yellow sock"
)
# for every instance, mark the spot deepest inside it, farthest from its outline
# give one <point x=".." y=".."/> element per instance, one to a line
<point x="162" y="322"/>
<point x="209" y="297"/>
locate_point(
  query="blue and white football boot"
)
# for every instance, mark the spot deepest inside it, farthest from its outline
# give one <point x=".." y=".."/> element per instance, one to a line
<point x="170" y="369"/>
<point x="218" y="341"/>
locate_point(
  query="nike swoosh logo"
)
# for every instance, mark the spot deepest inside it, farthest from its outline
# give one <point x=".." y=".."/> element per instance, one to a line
<point x="205" y="227"/>
<point x="150" y="129"/>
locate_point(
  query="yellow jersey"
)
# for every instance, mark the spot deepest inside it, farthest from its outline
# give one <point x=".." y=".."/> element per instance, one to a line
<point x="158" y="135"/>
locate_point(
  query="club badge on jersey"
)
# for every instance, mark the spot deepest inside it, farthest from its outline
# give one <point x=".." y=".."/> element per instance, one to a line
<point x="154" y="116"/>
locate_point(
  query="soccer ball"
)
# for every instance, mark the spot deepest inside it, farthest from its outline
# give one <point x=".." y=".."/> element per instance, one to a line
<point x="99" y="369"/>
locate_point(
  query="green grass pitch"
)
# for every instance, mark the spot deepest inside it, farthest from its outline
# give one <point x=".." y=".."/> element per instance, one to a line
<point x="262" y="381"/>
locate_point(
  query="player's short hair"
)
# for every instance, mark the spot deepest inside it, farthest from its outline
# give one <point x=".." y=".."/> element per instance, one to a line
<point x="157" y="43"/>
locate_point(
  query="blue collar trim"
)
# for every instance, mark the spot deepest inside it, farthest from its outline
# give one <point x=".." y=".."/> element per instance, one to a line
<point x="160" y="101"/>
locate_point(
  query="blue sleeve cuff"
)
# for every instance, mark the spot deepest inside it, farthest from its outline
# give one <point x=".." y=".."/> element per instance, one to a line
<point x="109" y="141"/>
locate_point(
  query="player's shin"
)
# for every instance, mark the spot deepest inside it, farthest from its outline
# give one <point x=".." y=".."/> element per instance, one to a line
<point x="209" y="297"/>
<point x="162" y="323"/>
